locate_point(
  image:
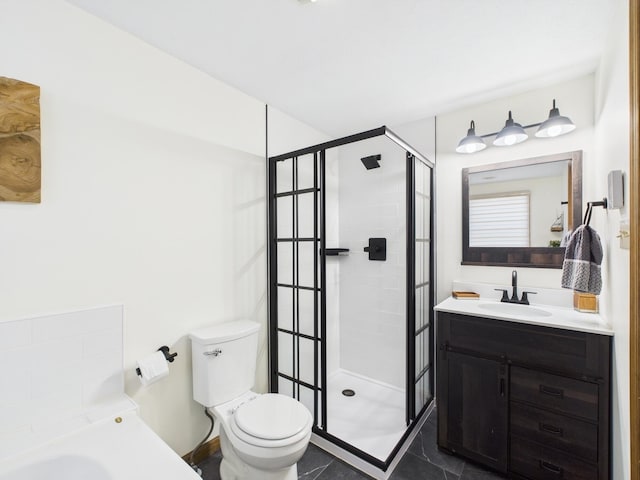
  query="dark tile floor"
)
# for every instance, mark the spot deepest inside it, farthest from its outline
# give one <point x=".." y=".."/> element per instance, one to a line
<point x="423" y="461"/>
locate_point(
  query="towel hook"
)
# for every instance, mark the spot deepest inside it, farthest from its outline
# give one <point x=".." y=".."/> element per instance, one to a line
<point x="590" y="205"/>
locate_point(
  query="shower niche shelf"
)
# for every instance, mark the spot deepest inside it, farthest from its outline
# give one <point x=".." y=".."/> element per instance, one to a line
<point x="336" y="252"/>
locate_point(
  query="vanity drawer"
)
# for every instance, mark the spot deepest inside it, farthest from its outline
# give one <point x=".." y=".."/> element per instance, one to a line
<point x="565" y="395"/>
<point x="568" y="352"/>
<point x="541" y="463"/>
<point x="557" y="431"/>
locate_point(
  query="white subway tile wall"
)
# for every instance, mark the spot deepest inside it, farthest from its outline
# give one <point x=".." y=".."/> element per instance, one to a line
<point x="56" y="368"/>
<point x="372" y="300"/>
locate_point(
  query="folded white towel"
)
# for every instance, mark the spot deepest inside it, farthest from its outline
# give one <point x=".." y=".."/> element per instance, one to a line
<point x="582" y="259"/>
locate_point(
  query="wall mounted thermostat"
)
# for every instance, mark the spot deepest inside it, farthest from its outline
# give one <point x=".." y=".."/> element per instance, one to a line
<point x="616" y="190"/>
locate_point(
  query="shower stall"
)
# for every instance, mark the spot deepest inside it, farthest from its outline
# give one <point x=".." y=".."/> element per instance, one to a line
<point x="351" y="289"/>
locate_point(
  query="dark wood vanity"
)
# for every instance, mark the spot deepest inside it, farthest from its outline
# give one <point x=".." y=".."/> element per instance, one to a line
<point x="530" y="401"/>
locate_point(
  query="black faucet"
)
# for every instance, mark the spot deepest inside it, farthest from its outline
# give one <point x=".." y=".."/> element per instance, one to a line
<point x="514" y="294"/>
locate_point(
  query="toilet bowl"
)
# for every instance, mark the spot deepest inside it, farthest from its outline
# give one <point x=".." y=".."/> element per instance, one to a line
<point x="262" y="436"/>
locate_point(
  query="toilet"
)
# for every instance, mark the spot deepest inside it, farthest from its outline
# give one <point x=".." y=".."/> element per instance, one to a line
<point x="262" y="436"/>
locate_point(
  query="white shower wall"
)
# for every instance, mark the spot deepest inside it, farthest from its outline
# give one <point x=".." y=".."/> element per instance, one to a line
<point x="332" y="223"/>
<point x="372" y="294"/>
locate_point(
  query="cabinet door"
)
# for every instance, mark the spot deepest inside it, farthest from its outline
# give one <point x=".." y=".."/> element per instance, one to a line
<point x="476" y="407"/>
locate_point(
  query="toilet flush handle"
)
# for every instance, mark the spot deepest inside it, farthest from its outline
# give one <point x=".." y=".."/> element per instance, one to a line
<point x="215" y="352"/>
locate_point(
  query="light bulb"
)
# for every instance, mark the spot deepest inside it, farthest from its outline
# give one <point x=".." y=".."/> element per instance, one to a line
<point x="510" y="140"/>
<point x="474" y="147"/>
<point x="554" y="131"/>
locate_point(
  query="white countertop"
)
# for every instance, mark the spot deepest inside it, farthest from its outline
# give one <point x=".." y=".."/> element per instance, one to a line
<point x="536" y="314"/>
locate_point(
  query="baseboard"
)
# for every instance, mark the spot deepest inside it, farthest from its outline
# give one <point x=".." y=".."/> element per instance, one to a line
<point x="207" y="449"/>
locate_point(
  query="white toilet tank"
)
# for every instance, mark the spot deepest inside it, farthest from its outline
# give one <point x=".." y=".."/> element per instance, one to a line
<point x="224" y="361"/>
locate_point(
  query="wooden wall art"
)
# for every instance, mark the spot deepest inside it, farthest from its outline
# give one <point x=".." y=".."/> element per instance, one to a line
<point x="19" y="141"/>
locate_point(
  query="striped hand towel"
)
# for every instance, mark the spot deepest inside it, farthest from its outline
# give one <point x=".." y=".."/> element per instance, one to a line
<point x="582" y="259"/>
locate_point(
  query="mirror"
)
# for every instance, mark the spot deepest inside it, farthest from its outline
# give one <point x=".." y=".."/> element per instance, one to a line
<point x="520" y="213"/>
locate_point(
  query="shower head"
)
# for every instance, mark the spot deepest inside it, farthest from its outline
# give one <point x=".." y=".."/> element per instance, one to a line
<point x="371" y="161"/>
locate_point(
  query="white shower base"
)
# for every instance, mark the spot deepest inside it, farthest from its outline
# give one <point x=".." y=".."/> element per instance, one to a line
<point x="373" y="420"/>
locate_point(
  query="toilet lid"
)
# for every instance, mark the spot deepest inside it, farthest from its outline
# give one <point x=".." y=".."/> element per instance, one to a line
<point x="272" y="417"/>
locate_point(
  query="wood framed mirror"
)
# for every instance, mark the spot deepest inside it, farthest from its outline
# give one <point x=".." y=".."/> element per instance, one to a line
<point x="520" y="213"/>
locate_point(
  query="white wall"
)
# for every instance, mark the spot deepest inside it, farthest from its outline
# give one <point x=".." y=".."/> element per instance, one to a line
<point x="287" y="134"/>
<point x="153" y="197"/>
<point x="333" y="264"/>
<point x="575" y="100"/>
<point x="612" y="152"/>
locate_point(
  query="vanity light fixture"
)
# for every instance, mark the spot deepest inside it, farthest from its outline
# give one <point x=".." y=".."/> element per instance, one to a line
<point x="513" y="133"/>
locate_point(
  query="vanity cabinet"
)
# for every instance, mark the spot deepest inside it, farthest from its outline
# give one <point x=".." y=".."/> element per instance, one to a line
<point x="532" y="402"/>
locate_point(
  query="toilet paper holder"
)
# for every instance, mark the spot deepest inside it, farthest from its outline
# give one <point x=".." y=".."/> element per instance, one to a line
<point x="170" y="357"/>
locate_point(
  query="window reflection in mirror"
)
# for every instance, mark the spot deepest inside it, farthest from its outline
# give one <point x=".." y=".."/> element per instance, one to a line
<point x="520" y="213"/>
<point x="524" y="206"/>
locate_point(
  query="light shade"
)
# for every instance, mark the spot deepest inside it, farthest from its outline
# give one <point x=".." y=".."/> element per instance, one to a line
<point x="471" y="143"/>
<point x="511" y="134"/>
<point x="555" y="125"/>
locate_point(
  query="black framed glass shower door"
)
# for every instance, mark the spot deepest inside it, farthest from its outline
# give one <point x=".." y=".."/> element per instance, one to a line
<point x="298" y="282"/>
<point x="296" y="338"/>
<point x="420" y="312"/>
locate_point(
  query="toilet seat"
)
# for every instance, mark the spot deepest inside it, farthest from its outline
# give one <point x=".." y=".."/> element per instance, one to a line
<point x="271" y="420"/>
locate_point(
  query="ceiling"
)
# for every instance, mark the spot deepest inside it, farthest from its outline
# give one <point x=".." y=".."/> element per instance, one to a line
<point x="344" y="66"/>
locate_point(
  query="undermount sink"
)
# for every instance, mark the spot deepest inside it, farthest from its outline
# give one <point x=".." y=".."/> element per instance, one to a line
<point x="515" y="309"/>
